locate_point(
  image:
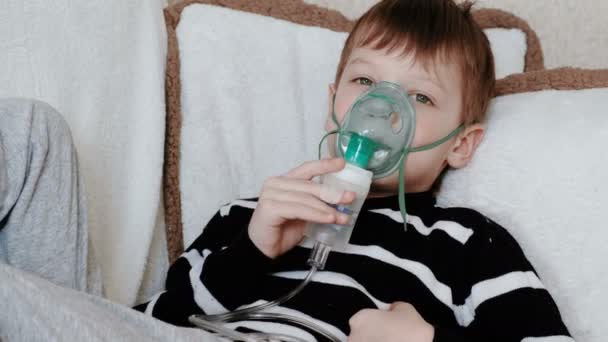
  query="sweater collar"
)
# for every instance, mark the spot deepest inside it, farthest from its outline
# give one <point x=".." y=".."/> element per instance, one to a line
<point x="415" y="202"/>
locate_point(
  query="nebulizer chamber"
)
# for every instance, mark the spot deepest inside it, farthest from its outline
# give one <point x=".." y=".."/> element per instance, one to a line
<point x="372" y="137"/>
<point x="351" y="178"/>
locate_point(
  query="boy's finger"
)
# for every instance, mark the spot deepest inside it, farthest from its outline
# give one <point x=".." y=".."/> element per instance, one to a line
<point x="295" y="185"/>
<point x="314" y="168"/>
<point x="335" y="195"/>
<point x="296" y="211"/>
<point x="401" y="306"/>
<point x="299" y="197"/>
<point x="348" y="197"/>
<point x="327" y="193"/>
<point x="314" y="202"/>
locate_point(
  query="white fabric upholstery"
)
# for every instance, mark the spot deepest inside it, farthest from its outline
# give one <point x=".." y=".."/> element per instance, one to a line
<point x="101" y="64"/>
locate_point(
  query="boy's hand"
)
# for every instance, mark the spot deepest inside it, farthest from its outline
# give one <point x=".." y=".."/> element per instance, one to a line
<point x="401" y="323"/>
<point x="287" y="203"/>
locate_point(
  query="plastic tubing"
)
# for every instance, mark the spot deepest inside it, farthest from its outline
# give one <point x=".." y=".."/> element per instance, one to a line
<point x="215" y="323"/>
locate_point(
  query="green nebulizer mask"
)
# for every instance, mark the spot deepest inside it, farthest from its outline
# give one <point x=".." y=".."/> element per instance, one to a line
<point x="377" y="132"/>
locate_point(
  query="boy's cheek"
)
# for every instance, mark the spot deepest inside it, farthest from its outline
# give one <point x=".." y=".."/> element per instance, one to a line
<point x="345" y="97"/>
<point x="331" y="146"/>
<point x="329" y="124"/>
<point x="340" y="113"/>
<point x="425" y="130"/>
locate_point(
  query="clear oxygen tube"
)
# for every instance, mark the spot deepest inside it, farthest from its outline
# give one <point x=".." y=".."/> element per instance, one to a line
<point x="215" y="323"/>
<point x="354" y="178"/>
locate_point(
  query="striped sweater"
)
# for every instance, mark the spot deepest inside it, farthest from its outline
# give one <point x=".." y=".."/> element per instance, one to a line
<point x="461" y="271"/>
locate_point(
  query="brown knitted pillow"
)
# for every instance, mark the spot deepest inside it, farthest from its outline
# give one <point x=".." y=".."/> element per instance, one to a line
<point x="295" y="11"/>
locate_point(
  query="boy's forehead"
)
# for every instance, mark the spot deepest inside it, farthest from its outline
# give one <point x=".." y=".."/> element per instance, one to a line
<point x="437" y="70"/>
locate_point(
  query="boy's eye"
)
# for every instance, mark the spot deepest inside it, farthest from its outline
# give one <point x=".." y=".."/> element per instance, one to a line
<point x="364" y="81"/>
<point x="422" y="99"/>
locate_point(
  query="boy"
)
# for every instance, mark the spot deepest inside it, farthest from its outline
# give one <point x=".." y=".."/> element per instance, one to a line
<point x="453" y="275"/>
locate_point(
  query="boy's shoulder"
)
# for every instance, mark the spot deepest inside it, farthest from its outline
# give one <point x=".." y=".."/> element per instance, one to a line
<point x="465" y="216"/>
<point x="481" y="228"/>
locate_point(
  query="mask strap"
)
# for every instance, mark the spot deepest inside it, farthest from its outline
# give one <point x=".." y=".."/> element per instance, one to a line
<point x="333" y="113"/>
<point x="403" y="160"/>
<point x="402" y="206"/>
<point x="335" y="120"/>
<point x="438" y="142"/>
<point x="323" y="139"/>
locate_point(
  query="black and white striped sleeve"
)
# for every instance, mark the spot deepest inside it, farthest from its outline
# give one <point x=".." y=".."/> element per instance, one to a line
<point x="214" y="273"/>
<point x="503" y="297"/>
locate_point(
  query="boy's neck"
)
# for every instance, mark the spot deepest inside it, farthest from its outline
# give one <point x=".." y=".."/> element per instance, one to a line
<point x="378" y="194"/>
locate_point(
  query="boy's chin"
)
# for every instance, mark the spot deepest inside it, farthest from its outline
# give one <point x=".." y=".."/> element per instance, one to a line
<point x="390" y="186"/>
<point x="384" y="187"/>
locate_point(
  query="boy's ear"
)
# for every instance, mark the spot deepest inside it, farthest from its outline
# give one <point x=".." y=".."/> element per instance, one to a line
<point x="331" y="92"/>
<point x="464" y="147"/>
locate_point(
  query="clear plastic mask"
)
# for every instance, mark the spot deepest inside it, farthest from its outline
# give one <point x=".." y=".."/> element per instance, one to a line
<point x="377" y="132"/>
<point x="385" y="116"/>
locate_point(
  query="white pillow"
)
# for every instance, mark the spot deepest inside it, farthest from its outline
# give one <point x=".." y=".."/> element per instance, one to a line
<point x="254" y="96"/>
<point x="541" y="173"/>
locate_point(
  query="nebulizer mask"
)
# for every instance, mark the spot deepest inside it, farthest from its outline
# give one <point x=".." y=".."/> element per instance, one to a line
<point x="375" y="139"/>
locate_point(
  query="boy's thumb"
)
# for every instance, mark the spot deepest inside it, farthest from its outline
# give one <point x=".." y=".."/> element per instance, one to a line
<point x="400" y="306"/>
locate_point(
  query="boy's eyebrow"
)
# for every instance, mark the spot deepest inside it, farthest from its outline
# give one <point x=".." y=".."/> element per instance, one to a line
<point x="435" y="82"/>
<point x="359" y="60"/>
<point x="432" y="77"/>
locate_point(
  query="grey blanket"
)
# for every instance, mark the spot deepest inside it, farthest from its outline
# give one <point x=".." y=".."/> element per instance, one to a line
<point x="46" y="262"/>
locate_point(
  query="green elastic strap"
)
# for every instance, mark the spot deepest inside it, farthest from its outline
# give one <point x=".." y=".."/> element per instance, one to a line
<point x="333" y="112"/>
<point x="438" y="142"/>
<point x="402" y="206"/>
<point x="335" y="120"/>
<point x="403" y="160"/>
<point x="325" y="137"/>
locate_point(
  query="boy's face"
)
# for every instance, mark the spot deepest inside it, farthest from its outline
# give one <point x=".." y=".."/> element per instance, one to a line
<point x="436" y="92"/>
